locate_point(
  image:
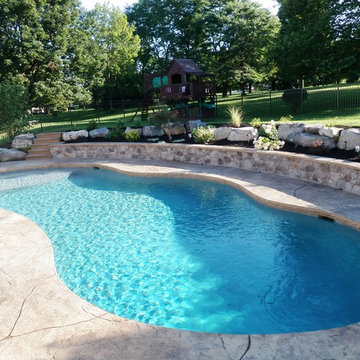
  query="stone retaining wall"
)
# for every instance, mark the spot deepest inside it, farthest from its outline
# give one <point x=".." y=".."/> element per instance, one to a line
<point x="339" y="174"/>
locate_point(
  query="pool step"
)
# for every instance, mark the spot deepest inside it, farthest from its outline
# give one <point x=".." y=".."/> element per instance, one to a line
<point x="40" y="149"/>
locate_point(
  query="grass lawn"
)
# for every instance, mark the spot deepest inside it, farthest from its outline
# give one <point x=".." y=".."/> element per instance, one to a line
<point x="319" y="107"/>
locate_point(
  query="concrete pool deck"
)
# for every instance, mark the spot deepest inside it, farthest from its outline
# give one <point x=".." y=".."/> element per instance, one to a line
<point x="40" y="318"/>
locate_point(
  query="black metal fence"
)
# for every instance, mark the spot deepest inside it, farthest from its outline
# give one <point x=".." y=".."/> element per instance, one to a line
<point x="319" y="99"/>
<point x="263" y="104"/>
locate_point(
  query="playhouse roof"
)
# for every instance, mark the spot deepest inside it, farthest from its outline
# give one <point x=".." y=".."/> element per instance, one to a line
<point x="188" y="66"/>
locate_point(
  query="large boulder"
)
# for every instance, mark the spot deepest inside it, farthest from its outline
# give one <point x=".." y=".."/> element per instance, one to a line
<point x="243" y="134"/>
<point x="349" y="138"/>
<point x="11" y="154"/>
<point x="138" y="130"/>
<point x="313" y="128"/>
<point x="192" y="124"/>
<point x="99" y="133"/>
<point x="313" y="140"/>
<point x="75" y="135"/>
<point x="152" y="131"/>
<point x="330" y="132"/>
<point x="23" y="141"/>
<point x="221" y="133"/>
<point x="286" y="130"/>
<point x="171" y="129"/>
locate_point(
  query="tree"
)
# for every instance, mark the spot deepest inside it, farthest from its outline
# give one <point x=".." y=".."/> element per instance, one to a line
<point x="319" y="39"/>
<point x="34" y="39"/>
<point x="168" y="29"/>
<point x="13" y="103"/>
<point x="59" y="95"/>
<point x="227" y="37"/>
<point x="239" y="33"/>
<point x="111" y="47"/>
<point x="345" y="21"/>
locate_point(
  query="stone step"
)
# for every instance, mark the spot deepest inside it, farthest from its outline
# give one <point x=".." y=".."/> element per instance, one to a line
<point x="40" y="151"/>
<point x="38" y="157"/>
<point x="40" y="146"/>
<point x="46" y="141"/>
<point x="49" y="135"/>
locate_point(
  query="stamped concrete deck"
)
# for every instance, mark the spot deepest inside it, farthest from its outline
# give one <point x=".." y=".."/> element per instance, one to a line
<point x="40" y="318"/>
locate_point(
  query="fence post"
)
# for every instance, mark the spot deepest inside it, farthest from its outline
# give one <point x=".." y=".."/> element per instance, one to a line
<point x="270" y="104"/>
<point x="123" y="108"/>
<point x="337" y="97"/>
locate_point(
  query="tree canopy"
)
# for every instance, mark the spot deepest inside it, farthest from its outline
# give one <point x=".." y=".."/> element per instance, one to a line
<point x="228" y="37"/>
<point x="64" y="54"/>
<point x="318" y="40"/>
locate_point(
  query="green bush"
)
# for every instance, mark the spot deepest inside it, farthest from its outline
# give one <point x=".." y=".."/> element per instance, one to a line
<point x="294" y="98"/>
<point x="255" y="122"/>
<point x="159" y="118"/>
<point x="236" y="115"/>
<point x="115" y="133"/>
<point x="13" y="104"/>
<point x="164" y="116"/>
<point x="203" y="135"/>
<point x="137" y="123"/>
<point x="286" y="119"/>
<point x="132" y="135"/>
<point x="92" y="125"/>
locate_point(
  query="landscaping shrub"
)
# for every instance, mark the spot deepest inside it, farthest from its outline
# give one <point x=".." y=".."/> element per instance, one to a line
<point x="271" y="140"/>
<point x="137" y="123"/>
<point x="159" y="118"/>
<point x="92" y="125"/>
<point x="203" y="135"/>
<point x="115" y="133"/>
<point x="255" y="122"/>
<point x="164" y="116"/>
<point x="13" y="103"/>
<point x="294" y="98"/>
<point x="132" y="135"/>
<point x="236" y="115"/>
<point x="286" y="119"/>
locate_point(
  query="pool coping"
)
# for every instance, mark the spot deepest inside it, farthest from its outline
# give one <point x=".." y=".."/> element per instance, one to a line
<point x="40" y="316"/>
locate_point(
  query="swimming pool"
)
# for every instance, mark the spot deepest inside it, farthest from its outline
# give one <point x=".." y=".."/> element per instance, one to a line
<point x="190" y="254"/>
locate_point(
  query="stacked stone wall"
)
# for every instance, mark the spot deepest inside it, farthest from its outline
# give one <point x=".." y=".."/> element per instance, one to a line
<point x="338" y="174"/>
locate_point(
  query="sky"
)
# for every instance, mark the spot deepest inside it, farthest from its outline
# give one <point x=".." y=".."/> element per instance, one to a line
<point x="272" y="5"/>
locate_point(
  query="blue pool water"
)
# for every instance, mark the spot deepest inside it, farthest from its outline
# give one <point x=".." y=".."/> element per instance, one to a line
<point x="190" y="254"/>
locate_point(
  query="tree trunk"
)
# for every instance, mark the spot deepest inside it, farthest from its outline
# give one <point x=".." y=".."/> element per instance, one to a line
<point x="250" y="88"/>
<point x="110" y="88"/>
<point x="224" y="90"/>
<point x="273" y="85"/>
<point x="243" y="89"/>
